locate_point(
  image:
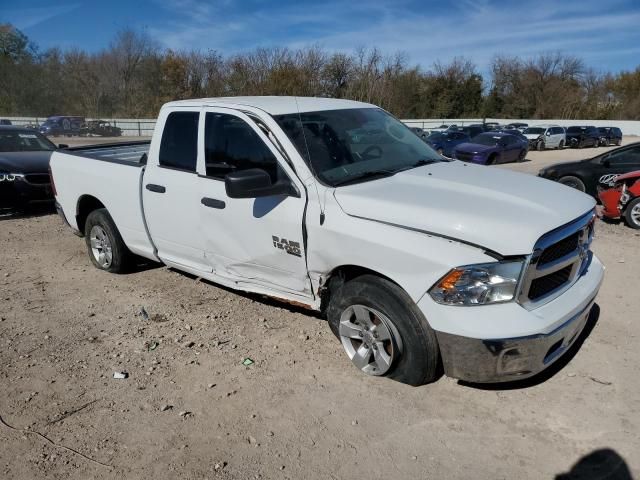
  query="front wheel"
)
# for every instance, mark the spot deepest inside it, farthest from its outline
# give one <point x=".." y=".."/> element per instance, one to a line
<point x="573" y="182"/>
<point x="106" y="248"/>
<point x="383" y="332"/>
<point x="540" y="146"/>
<point x="632" y="213"/>
<point x="522" y="155"/>
<point x="561" y="145"/>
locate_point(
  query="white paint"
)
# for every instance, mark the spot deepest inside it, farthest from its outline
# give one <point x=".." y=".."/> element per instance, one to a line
<point x="411" y="227"/>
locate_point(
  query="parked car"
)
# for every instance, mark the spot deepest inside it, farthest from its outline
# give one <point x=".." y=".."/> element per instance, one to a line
<point x="444" y="127"/>
<point x="586" y="175"/>
<point x="62" y="125"/>
<point x="5" y="121"/>
<point x="517" y="126"/>
<point x="491" y="148"/>
<point x="102" y="128"/>
<point x="622" y="199"/>
<point x="579" y="137"/>
<point x="515" y="133"/>
<point x="490" y="126"/>
<point x="610" y="136"/>
<point x="472" y="130"/>
<point x="445" y="142"/>
<point x="541" y="137"/>
<point x="419" y="132"/>
<point x="415" y="261"/>
<point x="24" y="168"/>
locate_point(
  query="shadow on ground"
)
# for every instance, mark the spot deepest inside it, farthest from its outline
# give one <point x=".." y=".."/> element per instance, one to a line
<point x="601" y="464"/>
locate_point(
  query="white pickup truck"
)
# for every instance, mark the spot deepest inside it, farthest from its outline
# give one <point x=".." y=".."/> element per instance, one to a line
<point x="418" y="263"/>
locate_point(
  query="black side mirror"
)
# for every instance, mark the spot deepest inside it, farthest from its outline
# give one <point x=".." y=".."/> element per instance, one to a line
<point x="254" y="183"/>
<point x="63" y="145"/>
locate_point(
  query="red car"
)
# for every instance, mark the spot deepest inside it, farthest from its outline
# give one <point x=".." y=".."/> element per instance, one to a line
<point x="623" y="198"/>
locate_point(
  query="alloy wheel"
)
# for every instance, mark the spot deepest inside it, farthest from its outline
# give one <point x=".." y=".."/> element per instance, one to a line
<point x="370" y="339"/>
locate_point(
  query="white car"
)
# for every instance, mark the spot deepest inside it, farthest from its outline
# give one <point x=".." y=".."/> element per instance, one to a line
<point x="542" y="137"/>
<point x="417" y="262"/>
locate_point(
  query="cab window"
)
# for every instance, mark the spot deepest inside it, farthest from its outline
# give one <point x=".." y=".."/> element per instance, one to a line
<point x="231" y="145"/>
<point x="179" y="144"/>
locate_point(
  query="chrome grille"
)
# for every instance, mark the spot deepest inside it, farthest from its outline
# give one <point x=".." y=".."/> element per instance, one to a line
<point x="559" y="258"/>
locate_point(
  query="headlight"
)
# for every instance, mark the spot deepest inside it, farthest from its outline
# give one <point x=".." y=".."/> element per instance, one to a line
<point x="10" y="177"/>
<point x="480" y="284"/>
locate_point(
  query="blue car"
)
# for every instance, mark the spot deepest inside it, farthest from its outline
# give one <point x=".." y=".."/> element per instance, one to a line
<point x="445" y="142"/>
<point x="491" y="148"/>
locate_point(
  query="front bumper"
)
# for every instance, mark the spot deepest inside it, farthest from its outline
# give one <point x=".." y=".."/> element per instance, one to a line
<point x="531" y="340"/>
<point x="21" y="192"/>
<point x="485" y="361"/>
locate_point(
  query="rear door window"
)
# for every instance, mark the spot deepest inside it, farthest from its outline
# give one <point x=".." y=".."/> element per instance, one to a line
<point x="179" y="145"/>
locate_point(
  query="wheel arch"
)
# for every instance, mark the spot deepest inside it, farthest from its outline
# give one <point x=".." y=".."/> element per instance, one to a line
<point x="85" y="205"/>
<point x="339" y="275"/>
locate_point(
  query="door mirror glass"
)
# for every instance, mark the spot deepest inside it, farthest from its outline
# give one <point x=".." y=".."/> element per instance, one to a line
<point x="548" y="134"/>
<point x="254" y="183"/>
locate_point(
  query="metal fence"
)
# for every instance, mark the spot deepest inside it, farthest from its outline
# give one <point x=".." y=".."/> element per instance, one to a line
<point x="143" y="127"/>
<point x="131" y="127"/>
<point x="628" y="127"/>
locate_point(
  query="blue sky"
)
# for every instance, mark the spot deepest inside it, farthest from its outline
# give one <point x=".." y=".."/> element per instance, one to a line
<point x="605" y="33"/>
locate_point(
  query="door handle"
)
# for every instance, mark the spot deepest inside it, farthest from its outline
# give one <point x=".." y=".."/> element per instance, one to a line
<point x="213" y="203"/>
<point x="155" y="188"/>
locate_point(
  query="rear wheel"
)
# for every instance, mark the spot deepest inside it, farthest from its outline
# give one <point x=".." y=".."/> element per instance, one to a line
<point x="573" y="182"/>
<point x="440" y="151"/>
<point x="104" y="243"/>
<point x="632" y="213"/>
<point x="383" y="332"/>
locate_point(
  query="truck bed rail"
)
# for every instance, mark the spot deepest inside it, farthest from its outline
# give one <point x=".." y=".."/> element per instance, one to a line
<point x="130" y="153"/>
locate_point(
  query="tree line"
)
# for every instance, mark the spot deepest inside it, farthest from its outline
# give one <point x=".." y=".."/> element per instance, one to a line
<point x="133" y="76"/>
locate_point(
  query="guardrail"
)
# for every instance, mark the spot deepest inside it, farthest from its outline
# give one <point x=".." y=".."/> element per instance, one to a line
<point x="131" y="127"/>
<point x="143" y="127"/>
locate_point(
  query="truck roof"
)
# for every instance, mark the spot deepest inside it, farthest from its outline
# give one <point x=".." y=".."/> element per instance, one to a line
<point x="276" y="105"/>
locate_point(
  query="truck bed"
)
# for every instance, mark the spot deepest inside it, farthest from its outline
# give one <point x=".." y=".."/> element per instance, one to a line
<point x="133" y="153"/>
<point x="112" y="175"/>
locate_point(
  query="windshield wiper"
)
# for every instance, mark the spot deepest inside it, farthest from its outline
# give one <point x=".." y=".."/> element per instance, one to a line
<point x="419" y="163"/>
<point x="366" y="175"/>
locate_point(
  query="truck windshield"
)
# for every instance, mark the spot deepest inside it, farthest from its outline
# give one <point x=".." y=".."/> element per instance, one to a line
<point x="352" y="145"/>
<point x="24" y="141"/>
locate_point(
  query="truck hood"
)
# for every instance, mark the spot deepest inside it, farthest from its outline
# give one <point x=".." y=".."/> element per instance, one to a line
<point x="25" y="162"/>
<point x="496" y="209"/>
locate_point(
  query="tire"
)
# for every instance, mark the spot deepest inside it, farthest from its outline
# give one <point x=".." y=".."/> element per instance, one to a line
<point x="561" y="145"/>
<point x="440" y="151"/>
<point x="522" y="155"/>
<point x="492" y="159"/>
<point x="573" y="182"/>
<point x="618" y="142"/>
<point x="540" y="146"/>
<point x="412" y="353"/>
<point x="105" y="246"/>
<point x="632" y="213"/>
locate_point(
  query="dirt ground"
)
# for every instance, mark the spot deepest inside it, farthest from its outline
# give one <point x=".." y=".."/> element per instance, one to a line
<point x="190" y="408"/>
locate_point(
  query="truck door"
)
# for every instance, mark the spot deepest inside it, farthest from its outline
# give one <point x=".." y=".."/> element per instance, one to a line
<point x="253" y="240"/>
<point x="170" y="193"/>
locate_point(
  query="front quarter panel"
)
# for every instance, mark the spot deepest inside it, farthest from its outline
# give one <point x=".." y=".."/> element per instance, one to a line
<point x="412" y="259"/>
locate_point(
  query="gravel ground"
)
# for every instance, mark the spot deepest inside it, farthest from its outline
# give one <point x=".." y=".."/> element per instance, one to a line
<point x="190" y="408"/>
